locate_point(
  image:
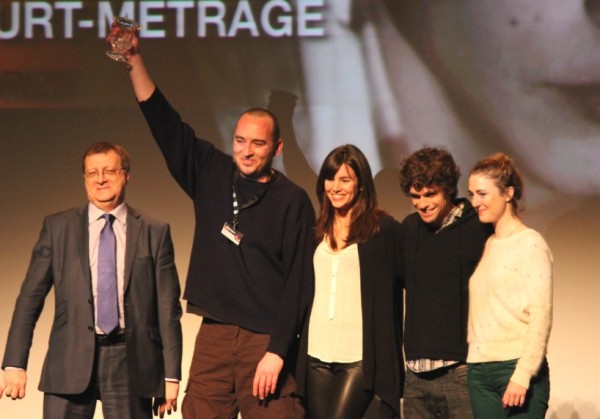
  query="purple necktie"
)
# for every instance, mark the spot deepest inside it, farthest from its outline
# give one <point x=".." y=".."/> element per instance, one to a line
<point x="108" y="307"/>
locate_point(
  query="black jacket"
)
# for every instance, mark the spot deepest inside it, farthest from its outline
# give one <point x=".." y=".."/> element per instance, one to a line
<point x="437" y="268"/>
<point x="381" y="296"/>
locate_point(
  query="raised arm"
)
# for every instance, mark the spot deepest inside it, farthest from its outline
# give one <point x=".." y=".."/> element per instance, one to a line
<point x="143" y="85"/>
<point x="183" y="152"/>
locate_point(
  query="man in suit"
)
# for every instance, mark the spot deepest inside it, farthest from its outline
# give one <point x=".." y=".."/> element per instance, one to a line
<point x="116" y="334"/>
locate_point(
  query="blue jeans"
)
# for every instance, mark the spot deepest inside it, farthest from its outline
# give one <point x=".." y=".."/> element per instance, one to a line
<point x="488" y="382"/>
<point x="441" y="393"/>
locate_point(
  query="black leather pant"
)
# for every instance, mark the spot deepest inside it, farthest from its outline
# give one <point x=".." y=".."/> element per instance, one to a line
<point x="336" y="390"/>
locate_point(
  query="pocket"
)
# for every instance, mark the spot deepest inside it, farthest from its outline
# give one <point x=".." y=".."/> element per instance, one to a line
<point x="510" y="364"/>
<point x="144" y="260"/>
<point x="460" y="374"/>
<point x="143" y="268"/>
<point x="409" y="378"/>
<point x="155" y="336"/>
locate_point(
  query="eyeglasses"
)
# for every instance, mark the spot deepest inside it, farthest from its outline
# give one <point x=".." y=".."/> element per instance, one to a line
<point x="106" y="173"/>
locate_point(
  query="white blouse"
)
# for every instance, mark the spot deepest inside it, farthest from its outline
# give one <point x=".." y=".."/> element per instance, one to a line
<point x="335" y="329"/>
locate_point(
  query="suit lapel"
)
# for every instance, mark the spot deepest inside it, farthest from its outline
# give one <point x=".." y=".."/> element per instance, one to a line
<point x="82" y="235"/>
<point x="134" y="225"/>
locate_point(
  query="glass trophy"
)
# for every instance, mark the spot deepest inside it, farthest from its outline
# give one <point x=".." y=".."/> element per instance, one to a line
<point x="120" y="42"/>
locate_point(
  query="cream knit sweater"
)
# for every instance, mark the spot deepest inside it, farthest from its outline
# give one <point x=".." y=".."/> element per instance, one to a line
<point x="510" y="303"/>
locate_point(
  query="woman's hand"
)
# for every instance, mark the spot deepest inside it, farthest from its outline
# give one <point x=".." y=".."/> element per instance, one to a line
<point x="514" y="396"/>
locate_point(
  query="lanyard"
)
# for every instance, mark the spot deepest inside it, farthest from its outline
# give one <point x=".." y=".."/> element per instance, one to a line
<point x="236" y="207"/>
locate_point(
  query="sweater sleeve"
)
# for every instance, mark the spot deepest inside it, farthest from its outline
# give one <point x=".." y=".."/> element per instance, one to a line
<point x="184" y="154"/>
<point x="298" y="249"/>
<point x="537" y="276"/>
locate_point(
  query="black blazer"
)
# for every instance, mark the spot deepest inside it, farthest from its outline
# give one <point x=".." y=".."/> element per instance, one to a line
<point x="60" y="259"/>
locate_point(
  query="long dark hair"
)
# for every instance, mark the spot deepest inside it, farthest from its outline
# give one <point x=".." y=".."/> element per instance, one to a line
<point x="365" y="216"/>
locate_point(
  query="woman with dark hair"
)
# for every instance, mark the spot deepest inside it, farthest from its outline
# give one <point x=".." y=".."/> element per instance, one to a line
<point x="350" y="345"/>
<point x="510" y="302"/>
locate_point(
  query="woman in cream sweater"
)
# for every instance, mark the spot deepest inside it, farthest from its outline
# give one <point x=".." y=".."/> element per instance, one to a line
<point x="510" y="302"/>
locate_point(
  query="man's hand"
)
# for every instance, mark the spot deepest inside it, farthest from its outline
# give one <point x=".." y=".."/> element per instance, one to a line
<point x="14" y="383"/>
<point x="169" y="402"/>
<point x="135" y="40"/>
<point x="514" y="396"/>
<point x="267" y="373"/>
<point x="142" y="83"/>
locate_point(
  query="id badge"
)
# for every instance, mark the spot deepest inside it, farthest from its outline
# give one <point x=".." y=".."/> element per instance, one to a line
<point x="231" y="233"/>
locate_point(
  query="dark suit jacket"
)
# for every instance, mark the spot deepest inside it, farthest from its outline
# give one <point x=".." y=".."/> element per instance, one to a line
<point x="60" y="258"/>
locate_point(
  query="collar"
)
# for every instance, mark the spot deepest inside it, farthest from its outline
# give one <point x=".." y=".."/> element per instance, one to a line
<point x="453" y="216"/>
<point x="120" y="213"/>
